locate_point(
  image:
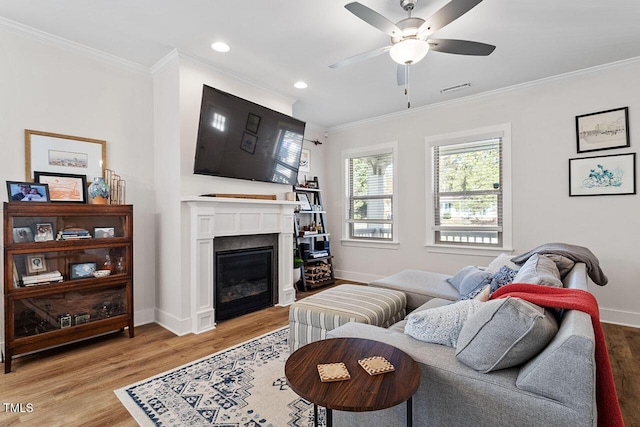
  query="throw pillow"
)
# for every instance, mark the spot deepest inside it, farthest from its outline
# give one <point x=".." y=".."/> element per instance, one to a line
<point x="499" y="261"/>
<point x="564" y="264"/>
<point x="470" y="280"/>
<point x="440" y="325"/>
<point x="504" y="276"/>
<point x="539" y="270"/>
<point x="504" y="333"/>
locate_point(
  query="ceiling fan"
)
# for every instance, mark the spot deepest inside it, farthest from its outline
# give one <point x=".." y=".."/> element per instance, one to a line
<point x="410" y="40"/>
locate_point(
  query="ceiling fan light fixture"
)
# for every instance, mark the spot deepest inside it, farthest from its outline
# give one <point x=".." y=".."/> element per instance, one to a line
<point x="409" y="51"/>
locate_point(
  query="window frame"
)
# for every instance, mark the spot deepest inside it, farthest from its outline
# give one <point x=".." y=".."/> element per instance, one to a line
<point x="347" y="240"/>
<point x="502" y="131"/>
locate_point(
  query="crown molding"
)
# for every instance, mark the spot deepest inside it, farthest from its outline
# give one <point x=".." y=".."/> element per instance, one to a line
<point x="489" y="94"/>
<point x="70" y="46"/>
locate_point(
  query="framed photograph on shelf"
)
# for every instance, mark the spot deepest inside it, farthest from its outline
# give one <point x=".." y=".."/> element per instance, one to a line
<point x="27" y="192"/>
<point x="304" y="202"/>
<point x="81" y="270"/>
<point x="104" y="232"/>
<point x="64" y="187"/>
<point x="64" y="154"/>
<point x="603" y="130"/>
<point x="253" y="123"/>
<point x="603" y="175"/>
<point x="22" y="234"/>
<point x="36" y="263"/>
<point x="44" y="232"/>
<point x="249" y="142"/>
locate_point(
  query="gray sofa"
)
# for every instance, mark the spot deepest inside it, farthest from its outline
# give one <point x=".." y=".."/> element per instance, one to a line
<point x="554" y="388"/>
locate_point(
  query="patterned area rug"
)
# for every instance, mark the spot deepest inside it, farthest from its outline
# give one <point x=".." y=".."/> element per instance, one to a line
<point x="241" y="386"/>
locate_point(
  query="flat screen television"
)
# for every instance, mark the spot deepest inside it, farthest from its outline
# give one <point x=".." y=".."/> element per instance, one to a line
<point x="241" y="139"/>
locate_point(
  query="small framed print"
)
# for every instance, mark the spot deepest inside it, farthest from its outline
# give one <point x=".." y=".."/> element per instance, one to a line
<point x="44" y="232"/>
<point x="64" y="187"/>
<point x="36" y="263"/>
<point x="104" y="232"/>
<point x="82" y="270"/>
<point x="249" y="142"/>
<point x="253" y="123"/>
<point x="603" y="175"/>
<point x="603" y="130"/>
<point x="22" y="234"/>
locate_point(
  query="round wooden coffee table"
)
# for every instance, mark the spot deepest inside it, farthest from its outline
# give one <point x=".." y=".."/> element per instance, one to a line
<point x="362" y="392"/>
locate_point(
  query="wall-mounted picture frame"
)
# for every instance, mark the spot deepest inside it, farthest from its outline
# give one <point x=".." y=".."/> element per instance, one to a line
<point x="22" y="234"/>
<point x="18" y="191"/>
<point x="604" y="130"/>
<point x="36" y="263"/>
<point x="304" y="202"/>
<point x="603" y="175"/>
<point x="253" y="123"/>
<point x="249" y="142"/>
<point x="104" y="232"/>
<point x="64" y="187"/>
<point x="81" y="270"/>
<point x="305" y="161"/>
<point x="44" y="232"/>
<point x="64" y="154"/>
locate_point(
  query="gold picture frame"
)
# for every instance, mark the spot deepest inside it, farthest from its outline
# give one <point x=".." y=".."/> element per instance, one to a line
<point x="64" y="154"/>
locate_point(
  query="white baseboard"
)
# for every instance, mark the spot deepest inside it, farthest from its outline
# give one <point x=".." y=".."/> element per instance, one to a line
<point x="623" y="318"/>
<point x="171" y="323"/>
<point x="143" y="317"/>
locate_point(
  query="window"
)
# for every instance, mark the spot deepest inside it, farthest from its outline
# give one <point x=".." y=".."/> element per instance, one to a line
<point x="370" y="188"/>
<point x="470" y="190"/>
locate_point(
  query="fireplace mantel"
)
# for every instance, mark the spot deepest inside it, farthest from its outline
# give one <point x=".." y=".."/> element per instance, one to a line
<point x="211" y="217"/>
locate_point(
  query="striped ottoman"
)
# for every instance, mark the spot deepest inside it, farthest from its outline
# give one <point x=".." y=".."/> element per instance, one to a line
<point x="311" y="318"/>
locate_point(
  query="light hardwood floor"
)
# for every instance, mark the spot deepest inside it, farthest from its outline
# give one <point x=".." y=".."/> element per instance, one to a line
<point x="73" y="385"/>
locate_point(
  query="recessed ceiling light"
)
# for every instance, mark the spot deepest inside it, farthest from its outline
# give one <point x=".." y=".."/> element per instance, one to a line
<point x="300" y="85"/>
<point x="221" y="47"/>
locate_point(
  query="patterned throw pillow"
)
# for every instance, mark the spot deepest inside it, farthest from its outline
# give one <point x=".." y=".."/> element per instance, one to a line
<point x="441" y="325"/>
<point x="470" y="280"/>
<point x="504" y="276"/>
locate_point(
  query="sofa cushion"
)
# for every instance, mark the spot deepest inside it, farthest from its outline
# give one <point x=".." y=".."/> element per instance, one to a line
<point x="503" y="333"/>
<point x="419" y="286"/>
<point x="539" y="270"/>
<point x="441" y="325"/>
<point x="470" y="280"/>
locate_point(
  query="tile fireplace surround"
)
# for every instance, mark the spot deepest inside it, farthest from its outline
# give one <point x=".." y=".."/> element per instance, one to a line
<point x="211" y="217"/>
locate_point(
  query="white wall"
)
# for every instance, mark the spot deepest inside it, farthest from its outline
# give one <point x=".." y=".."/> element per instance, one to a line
<point x="46" y="87"/>
<point x="542" y="118"/>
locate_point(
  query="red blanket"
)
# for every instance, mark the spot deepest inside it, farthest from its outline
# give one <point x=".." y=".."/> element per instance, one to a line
<point x="576" y="299"/>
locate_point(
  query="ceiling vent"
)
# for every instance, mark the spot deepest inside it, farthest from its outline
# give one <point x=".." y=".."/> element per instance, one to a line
<point x="456" y="88"/>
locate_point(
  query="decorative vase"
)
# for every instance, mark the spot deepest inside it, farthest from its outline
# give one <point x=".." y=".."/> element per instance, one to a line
<point x="99" y="191"/>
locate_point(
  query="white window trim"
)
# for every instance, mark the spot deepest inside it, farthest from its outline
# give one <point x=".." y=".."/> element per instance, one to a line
<point x="370" y="151"/>
<point x="501" y="130"/>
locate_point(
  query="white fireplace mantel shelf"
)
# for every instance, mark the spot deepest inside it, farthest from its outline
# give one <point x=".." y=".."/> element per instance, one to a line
<point x="211" y="217"/>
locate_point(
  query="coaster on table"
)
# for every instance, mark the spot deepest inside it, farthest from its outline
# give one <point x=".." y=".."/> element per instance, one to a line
<point x="333" y="372"/>
<point x="376" y="365"/>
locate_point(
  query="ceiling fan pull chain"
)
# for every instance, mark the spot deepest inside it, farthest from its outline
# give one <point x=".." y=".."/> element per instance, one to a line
<point x="406" y="84"/>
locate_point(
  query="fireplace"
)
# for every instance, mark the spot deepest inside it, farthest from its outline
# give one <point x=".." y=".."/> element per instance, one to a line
<point x="244" y="281"/>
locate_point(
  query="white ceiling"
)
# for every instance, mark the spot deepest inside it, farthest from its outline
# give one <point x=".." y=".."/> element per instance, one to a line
<point x="277" y="42"/>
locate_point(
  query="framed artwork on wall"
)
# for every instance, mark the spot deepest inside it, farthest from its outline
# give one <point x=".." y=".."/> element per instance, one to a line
<point x="603" y="130"/>
<point x="603" y="175"/>
<point x="64" y="154"/>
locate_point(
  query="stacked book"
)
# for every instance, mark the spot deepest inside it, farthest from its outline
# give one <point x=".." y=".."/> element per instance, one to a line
<point x="73" y="233"/>
<point x="318" y="254"/>
<point x="42" y="279"/>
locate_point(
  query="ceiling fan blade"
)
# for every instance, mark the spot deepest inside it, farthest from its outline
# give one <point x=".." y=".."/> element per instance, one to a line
<point x="372" y="17"/>
<point x="360" y="57"/>
<point x="461" y="47"/>
<point x="446" y="15"/>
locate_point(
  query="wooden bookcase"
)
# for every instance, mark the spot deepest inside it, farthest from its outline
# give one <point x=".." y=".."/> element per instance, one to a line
<point x="312" y="239"/>
<point x="43" y="308"/>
